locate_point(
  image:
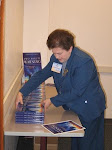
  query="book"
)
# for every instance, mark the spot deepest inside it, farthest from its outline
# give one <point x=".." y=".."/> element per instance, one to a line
<point x="32" y="64"/>
<point x="63" y="127"/>
<point x="31" y="110"/>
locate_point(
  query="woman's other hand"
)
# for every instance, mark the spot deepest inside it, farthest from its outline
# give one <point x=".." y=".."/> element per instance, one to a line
<point x="19" y="99"/>
<point x="46" y="103"/>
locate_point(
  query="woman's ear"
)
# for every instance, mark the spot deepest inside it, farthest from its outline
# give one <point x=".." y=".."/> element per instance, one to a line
<point x="70" y="50"/>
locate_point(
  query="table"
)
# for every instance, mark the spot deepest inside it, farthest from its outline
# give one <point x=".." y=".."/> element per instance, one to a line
<point x="53" y="114"/>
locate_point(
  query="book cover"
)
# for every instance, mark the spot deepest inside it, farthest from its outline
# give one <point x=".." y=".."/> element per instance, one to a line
<point x="63" y="127"/>
<point x="32" y="64"/>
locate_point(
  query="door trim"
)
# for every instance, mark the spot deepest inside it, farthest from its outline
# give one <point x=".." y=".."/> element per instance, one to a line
<point x="1" y="72"/>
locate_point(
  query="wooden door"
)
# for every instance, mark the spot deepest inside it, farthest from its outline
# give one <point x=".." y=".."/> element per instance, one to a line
<point x="1" y="71"/>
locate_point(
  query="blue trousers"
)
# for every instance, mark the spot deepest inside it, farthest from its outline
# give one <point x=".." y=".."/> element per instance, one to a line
<point x="93" y="138"/>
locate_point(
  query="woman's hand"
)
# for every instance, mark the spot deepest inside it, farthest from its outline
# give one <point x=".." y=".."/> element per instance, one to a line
<point x="46" y="103"/>
<point x="19" y="99"/>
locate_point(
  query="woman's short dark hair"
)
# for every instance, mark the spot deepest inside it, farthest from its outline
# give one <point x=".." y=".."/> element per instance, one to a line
<point x="60" y="38"/>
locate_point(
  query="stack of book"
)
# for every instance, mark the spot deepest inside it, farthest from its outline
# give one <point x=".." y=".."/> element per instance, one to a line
<point x="31" y="111"/>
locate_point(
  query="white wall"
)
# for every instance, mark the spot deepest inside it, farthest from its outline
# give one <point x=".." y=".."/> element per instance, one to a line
<point x="13" y="47"/>
<point x="90" y="21"/>
<point x="13" y="38"/>
<point x="36" y="20"/>
<point x="106" y="80"/>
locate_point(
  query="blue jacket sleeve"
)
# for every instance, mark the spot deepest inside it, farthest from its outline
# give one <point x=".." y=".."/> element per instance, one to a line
<point x="81" y="78"/>
<point x="36" y="80"/>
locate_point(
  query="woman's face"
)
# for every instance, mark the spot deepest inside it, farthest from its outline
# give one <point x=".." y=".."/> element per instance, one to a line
<point x="61" y="54"/>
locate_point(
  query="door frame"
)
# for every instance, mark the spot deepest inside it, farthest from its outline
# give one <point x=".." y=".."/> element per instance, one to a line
<point x="1" y="72"/>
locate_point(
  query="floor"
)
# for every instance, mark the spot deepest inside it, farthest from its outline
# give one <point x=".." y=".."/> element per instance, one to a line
<point x="108" y="134"/>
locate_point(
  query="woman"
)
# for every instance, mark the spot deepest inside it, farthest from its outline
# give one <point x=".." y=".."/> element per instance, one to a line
<point x="78" y="87"/>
